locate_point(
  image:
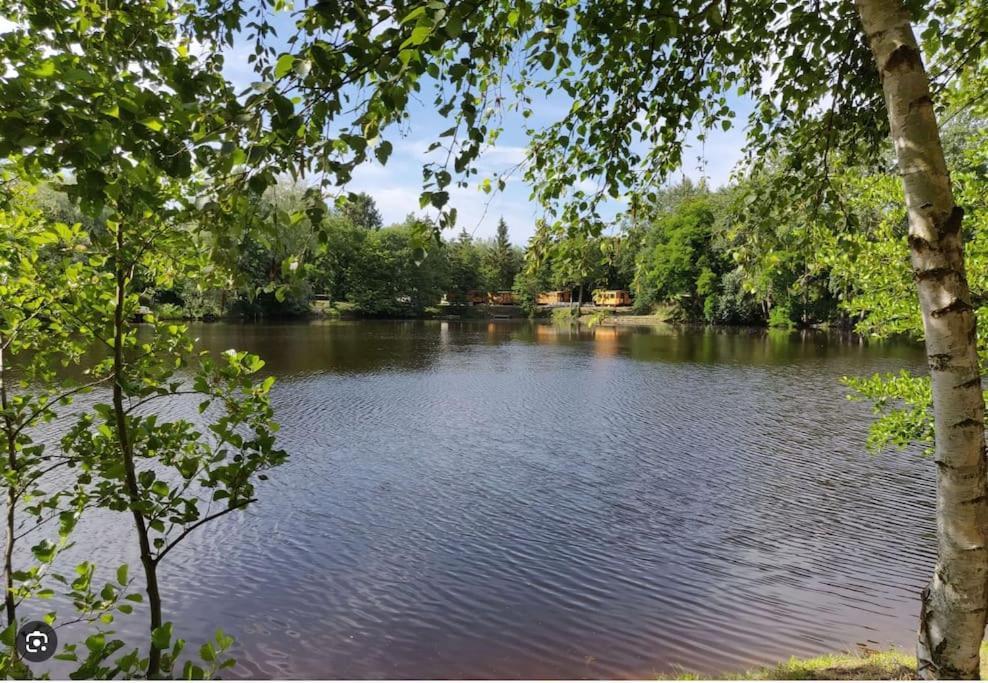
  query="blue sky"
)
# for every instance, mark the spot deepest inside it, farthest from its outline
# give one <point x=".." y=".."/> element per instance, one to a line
<point x="396" y="186"/>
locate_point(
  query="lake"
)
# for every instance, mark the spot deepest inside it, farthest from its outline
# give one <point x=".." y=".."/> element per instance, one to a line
<point x="514" y="499"/>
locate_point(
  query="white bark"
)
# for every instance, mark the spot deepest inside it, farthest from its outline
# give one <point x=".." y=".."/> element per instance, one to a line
<point x="952" y="620"/>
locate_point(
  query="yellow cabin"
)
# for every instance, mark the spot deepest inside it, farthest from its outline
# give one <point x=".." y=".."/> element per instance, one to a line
<point x="550" y="298"/>
<point x="503" y="298"/>
<point x="612" y="297"/>
<point x="475" y="297"/>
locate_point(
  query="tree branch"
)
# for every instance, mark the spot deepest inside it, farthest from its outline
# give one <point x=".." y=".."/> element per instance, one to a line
<point x="198" y="524"/>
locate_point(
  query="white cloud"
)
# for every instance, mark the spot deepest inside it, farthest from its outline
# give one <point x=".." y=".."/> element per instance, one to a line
<point x="509" y="155"/>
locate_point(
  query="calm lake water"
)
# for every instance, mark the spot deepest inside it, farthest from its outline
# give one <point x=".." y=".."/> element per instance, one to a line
<point x="520" y="500"/>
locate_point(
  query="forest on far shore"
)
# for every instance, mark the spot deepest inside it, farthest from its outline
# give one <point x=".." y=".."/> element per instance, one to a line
<point x="694" y="254"/>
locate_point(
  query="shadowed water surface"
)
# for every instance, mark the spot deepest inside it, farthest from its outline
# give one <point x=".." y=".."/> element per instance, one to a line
<point x="521" y="500"/>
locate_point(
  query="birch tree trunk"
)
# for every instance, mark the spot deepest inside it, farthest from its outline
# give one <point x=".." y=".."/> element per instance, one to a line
<point x="952" y="618"/>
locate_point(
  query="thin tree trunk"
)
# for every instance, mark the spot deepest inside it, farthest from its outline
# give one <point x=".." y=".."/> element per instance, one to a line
<point x="127" y="453"/>
<point x="952" y="618"/>
<point x="10" y="605"/>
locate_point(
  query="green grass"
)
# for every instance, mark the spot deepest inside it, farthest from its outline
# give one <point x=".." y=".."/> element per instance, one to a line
<point x="564" y="316"/>
<point x="596" y="318"/>
<point x="336" y="309"/>
<point x="871" y="665"/>
<point x="169" y="311"/>
<point x="662" y="313"/>
<point x="886" y="665"/>
<point x="665" y="312"/>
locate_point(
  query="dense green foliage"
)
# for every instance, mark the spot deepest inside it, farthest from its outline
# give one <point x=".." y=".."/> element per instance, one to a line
<point x="388" y="277"/>
<point x="710" y="260"/>
<point x="678" y="261"/>
<point x="284" y="261"/>
<point x="874" y="258"/>
<point x="502" y="260"/>
<point x="112" y="109"/>
<point x="283" y="266"/>
<point x="700" y="255"/>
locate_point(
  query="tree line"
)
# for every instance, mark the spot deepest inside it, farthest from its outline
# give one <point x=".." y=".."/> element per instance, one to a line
<point x="692" y="254"/>
<point x="750" y="253"/>
<point x="284" y="260"/>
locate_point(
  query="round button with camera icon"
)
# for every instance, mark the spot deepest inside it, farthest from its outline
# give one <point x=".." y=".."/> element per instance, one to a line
<point x="36" y="641"/>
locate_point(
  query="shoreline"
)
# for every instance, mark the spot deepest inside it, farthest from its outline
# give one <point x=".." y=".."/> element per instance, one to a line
<point x="590" y="317"/>
<point x="862" y="665"/>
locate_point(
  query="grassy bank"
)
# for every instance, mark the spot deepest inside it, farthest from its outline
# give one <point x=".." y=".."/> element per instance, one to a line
<point x="609" y="316"/>
<point x="886" y="665"/>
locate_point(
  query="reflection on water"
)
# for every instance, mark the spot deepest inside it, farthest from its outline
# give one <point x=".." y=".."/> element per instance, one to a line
<point x="524" y="500"/>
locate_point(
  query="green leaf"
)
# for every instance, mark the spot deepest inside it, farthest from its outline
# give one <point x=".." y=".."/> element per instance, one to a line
<point x="7" y="635"/>
<point x="207" y="653"/>
<point x="96" y="642"/>
<point x="192" y="672"/>
<point x="383" y="151"/>
<point x="284" y="64"/>
<point x="419" y="35"/>
<point x="44" y="70"/>
<point x="224" y="641"/>
<point x="414" y="15"/>
<point x="161" y="637"/>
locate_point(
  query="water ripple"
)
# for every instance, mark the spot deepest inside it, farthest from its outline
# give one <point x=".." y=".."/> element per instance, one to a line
<point x="472" y="500"/>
